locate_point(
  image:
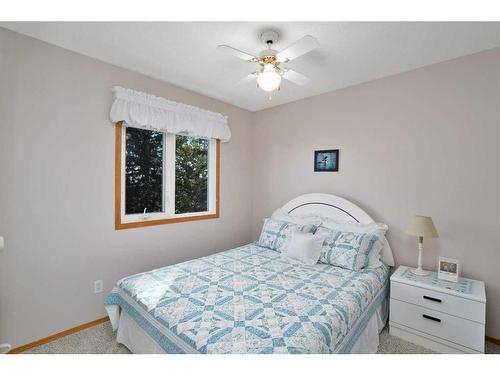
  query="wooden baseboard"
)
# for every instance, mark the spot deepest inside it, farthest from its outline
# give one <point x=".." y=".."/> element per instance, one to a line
<point x="59" y="335"/>
<point x="493" y="340"/>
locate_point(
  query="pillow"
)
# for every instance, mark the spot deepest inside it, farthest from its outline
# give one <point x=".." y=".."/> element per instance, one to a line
<point x="372" y="228"/>
<point x="375" y="255"/>
<point x="276" y="233"/>
<point x="347" y="249"/>
<point x="353" y="226"/>
<point x="305" y="247"/>
<point x="311" y="219"/>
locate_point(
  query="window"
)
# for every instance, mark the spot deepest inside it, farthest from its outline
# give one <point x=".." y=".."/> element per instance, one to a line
<point x="163" y="178"/>
<point x="143" y="171"/>
<point x="191" y="174"/>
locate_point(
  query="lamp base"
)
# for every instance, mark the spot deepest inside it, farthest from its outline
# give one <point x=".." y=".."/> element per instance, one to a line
<point x="420" y="272"/>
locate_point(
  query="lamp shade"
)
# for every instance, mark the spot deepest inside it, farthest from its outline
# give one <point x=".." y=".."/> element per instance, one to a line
<point x="422" y="226"/>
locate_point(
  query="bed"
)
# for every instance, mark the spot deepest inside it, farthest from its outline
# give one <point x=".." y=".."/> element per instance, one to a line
<point x="253" y="300"/>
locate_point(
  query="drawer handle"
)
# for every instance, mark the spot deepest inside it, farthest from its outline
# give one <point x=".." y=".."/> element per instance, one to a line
<point x="431" y="318"/>
<point x="433" y="299"/>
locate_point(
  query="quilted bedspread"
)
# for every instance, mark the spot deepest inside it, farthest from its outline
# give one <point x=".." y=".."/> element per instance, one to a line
<point x="251" y="300"/>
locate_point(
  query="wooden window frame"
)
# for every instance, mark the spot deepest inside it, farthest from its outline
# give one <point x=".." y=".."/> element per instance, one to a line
<point x="145" y="223"/>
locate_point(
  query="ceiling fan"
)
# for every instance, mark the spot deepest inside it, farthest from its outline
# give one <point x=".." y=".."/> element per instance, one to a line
<point x="271" y="69"/>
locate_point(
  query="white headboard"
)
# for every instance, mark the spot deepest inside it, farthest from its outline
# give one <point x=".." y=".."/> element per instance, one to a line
<point x="327" y="205"/>
<point x="336" y="208"/>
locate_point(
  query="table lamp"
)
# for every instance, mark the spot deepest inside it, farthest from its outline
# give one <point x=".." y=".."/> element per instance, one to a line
<point x="421" y="226"/>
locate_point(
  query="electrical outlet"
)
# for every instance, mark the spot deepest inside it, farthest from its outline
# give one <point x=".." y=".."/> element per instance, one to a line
<point x="98" y="286"/>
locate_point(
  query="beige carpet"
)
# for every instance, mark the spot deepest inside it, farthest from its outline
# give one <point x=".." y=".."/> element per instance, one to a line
<point x="101" y="340"/>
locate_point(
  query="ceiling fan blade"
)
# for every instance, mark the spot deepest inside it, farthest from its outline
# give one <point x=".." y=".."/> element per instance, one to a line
<point x="299" y="48"/>
<point x="248" y="78"/>
<point x="297" y="78"/>
<point x="237" y="53"/>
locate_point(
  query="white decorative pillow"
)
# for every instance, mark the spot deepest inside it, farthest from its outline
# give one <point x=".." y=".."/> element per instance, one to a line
<point x="353" y="226"/>
<point x="371" y="228"/>
<point x="275" y="233"/>
<point x="311" y="220"/>
<point x="305" y="247"/>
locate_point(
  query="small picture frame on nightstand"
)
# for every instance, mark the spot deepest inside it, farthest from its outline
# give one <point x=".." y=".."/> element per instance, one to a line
<point x="448" y="269"/>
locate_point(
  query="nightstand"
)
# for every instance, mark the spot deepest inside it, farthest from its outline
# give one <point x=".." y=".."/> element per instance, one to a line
<point x="440" y="315"/>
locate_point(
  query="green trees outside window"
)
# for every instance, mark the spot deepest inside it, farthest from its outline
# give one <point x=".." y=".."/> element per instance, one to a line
<point x="144" y="171"/>
<point x="191" y="174"/>
<point x="145" y="166"/>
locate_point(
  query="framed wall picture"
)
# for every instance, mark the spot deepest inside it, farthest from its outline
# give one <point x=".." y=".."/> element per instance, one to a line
<point x="326" y="161"/>
<point x="448" y="269"/>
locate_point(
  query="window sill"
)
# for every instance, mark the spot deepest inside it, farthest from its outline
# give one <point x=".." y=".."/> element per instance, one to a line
<point x="178" y="219"/>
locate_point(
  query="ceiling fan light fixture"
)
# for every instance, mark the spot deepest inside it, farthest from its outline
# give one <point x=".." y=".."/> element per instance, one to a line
<point x="270" y="61"/>
<point x="269" y="78"/>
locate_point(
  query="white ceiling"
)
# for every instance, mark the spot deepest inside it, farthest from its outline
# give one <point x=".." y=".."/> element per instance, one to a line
<point x="183" y="53"/>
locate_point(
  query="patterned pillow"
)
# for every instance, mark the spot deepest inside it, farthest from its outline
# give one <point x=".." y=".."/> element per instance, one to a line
<point x="345" y="249"/>
<point x="276" y="233"/>
<point x="370" y="228"/>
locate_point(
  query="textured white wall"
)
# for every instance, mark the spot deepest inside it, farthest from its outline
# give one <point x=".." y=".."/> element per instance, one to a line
<point x="57" y="189"/>
<point x="423" y="142"/>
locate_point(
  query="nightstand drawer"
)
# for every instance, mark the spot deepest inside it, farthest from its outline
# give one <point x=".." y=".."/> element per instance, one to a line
<point x="460" y="331"/>
<point x="449" y="304"/>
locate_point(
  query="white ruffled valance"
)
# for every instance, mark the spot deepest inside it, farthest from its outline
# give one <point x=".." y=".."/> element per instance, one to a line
<point x="142" y="110"/>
